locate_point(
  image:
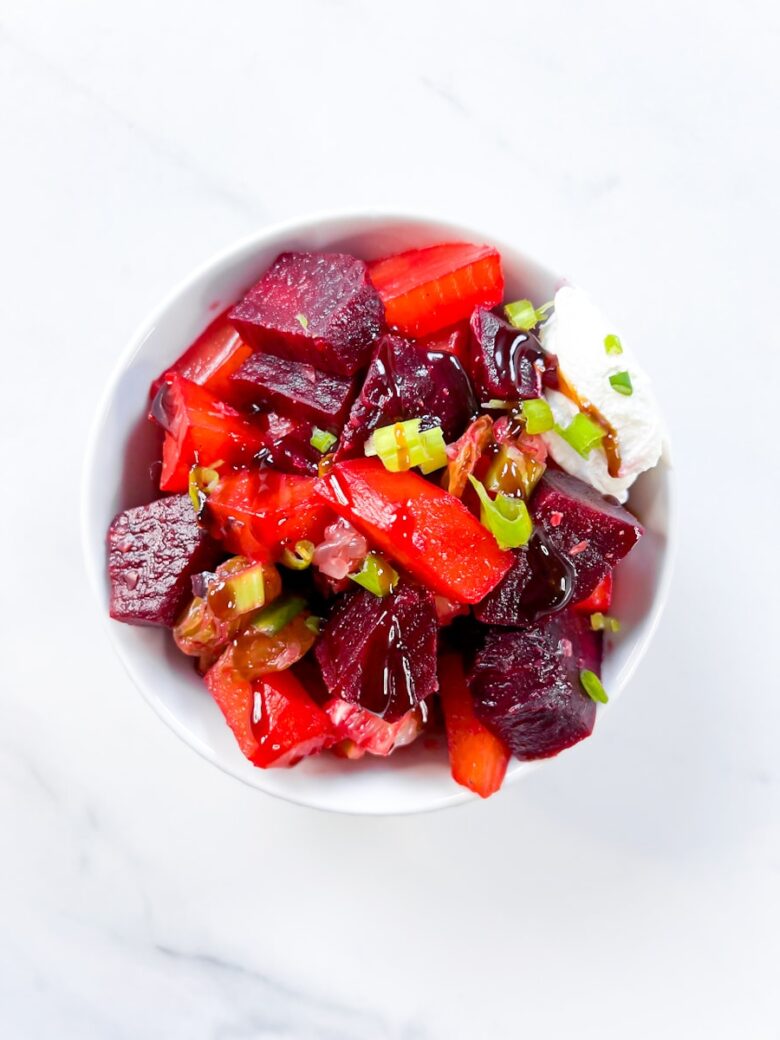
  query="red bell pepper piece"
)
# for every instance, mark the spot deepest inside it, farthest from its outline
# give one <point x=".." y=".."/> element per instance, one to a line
<point x="210" y="361"/>
<point x="419" y="525"/>
<point x="599" y="600"/>
<point x="425" y="290"/>
<point x="478" y="759"/>
<point x="199" y="428"/>
<point x="259" y="512"/>
<point x="274" y="720"/>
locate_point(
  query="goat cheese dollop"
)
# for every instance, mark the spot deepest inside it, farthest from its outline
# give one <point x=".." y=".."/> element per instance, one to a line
<point x="586" y="346"/>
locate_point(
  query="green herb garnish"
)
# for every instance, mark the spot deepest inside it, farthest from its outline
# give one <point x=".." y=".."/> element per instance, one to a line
<point x="507" y="519"/>
<point x="276" y="615"/>
<point x="603" y="622"/>
<point x="621" y="381"/>
<point x="538" y="415"/>
<point x="322" y="440"/>
<point x="376" y="575"/>
<point x="302" y="320"/>
<point x="591" y="684"/>
<point x="403" y="445"/>
<point x="299" y="558"/>
<point x="523" y="315"/>
<point x="612" y="344"/>
<point x="582" y="433"/>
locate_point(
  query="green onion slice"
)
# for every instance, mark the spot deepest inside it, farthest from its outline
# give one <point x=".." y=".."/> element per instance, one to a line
<point x="621" y="381"/>
<point x="523" y="315"/>
<point x="376" y="575"/>
<point x="612" y="344"/>
<point x="604" y="623"/>
<point x="299" y="558"/>
<point x="202" y="481"/>
<point x="302" y="320"/>
<point x="507" y="519"/>
<point x="403" y="445"/>
<point x="276" y="615"/>
<point x="582" y="433"/>
<point x="322" y="440"/>
<point x="538" y="415"/>
<point x="591" y="684"/>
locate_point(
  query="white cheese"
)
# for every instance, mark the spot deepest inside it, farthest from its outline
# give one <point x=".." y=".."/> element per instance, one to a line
<point x="575" y="333"/>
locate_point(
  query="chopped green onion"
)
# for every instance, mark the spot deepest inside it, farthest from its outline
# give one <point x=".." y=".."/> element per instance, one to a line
<point x="202" y="481"/>
<point x="314" y="624"/>
<point x="495" y="404"/>
<point x="322" y="440"/>
<point x="276" y="615"/>
<point x="621" y="381"/>
<point x="403" y="445"/>
<point x="302" y="320"/>
<point x="538" y="415"/>
<point x="591" y="684"/>
<point x="299" y="558"/>
<point x="602" y="622"/>
<point x="523" y="315"/>
<point x="376" y="575"/>
<point x="238" y="594"/>
<point x="612" y="344"/>
<point x="582" y="433"/>
<point x="506" y="518"/>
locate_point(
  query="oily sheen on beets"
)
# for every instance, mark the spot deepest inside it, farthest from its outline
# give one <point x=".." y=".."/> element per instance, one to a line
<point x="278" y="534"/>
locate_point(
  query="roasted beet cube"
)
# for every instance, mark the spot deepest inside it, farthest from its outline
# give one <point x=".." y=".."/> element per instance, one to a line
<point x="407" y="381"/>
<point x="152" y="553"/>
<point x="380" y="653"/>
<point x="317" y="308"/>
<point x="539" y="582"/>
<point x="526" y="684"/>
<point x="295" y="388"/>
<point x="288" y="445"/>
<point x="506" y="363"/>
<point x="588" y="529"/>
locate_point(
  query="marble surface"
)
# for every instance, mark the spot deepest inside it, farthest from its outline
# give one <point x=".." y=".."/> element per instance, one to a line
<point x="632" y="889"/>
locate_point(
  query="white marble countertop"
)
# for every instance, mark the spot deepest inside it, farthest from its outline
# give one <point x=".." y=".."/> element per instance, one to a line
<point x="631" y="890"/>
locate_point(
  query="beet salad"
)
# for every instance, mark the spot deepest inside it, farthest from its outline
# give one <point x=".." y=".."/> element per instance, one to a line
<point x="391" y="501"/>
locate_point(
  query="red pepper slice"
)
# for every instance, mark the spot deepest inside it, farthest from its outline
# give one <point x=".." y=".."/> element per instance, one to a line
<point x="478" y="759"/>
<point x="259" y="512"/>
<point x="420" y="526"/>
<point x="425" y="290"/>
<point x="599" y="600"/>
<point x="199" y="428"/>
<point x="210" y="361"/>
<point x="274" y="720"/>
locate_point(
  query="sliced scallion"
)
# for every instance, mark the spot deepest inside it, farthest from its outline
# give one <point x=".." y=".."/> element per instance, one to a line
<point x="612" y="344"/>
<point x="507" y="519"/>
<point x="322" y="440"/>
<point x="276" y="615"/>
<point x="376" y="575"/>
<point x="538" y="415"/>
<point x="621" y="382"/>
<point x="591" y="684"/>
<point x="582" y="433"/>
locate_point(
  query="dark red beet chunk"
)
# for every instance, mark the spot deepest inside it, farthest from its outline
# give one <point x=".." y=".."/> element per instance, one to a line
<point x="406" y="381"/>
<point x="592" y="532"/>
<point x="506" y="363"/>
<point x="294" y="388"/>
<point x="526" y="684"/>
<point x="316" y="308"/>
<point x="540" y="582"/>
<point x="152" y="553"/>
<point x="288" y="446"/>
<point x="381" y="653"/>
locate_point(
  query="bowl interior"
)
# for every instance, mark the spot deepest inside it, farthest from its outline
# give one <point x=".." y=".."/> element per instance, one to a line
<point x="119" y="474"/>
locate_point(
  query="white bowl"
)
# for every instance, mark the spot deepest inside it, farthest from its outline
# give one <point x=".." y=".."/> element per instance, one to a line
<point x="122" y="447"/>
